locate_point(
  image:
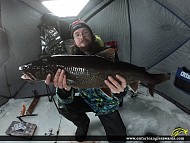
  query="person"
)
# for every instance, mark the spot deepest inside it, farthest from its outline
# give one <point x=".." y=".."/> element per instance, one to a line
<point x="74" y="107"/>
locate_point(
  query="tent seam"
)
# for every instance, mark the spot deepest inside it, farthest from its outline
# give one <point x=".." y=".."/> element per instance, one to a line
<point x="130" y="34"/>
<point x="168" y="54"/>
<point x="173" y="13"/>
<point x="177" y="47"/>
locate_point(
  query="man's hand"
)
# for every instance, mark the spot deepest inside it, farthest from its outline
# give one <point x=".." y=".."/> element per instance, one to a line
<point x="114" y="85"/>
<point x="59" y="80"/>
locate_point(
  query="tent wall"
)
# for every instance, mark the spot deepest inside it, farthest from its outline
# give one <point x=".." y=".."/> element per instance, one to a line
<point x="150" y="33"/>
<point x="20" y="22"/>
<point x="113" y="24"/>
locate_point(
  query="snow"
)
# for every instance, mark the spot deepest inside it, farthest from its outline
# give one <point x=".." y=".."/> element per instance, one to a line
<point x="141" y="115"/>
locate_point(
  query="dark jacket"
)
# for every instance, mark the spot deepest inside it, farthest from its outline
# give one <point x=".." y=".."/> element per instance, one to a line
<point x="98" y="100"/>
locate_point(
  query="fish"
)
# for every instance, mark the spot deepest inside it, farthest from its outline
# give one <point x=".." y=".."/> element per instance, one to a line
<point x="90" y="71"/>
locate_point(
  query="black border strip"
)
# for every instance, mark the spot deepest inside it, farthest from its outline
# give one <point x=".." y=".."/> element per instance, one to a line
<point x="97" y="138"/>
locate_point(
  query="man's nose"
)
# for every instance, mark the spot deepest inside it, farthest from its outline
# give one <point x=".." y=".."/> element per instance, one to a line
<point x="81" y="36"/>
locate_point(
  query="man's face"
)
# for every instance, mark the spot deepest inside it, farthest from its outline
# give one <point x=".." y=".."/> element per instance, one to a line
<point x="82" y="38"/>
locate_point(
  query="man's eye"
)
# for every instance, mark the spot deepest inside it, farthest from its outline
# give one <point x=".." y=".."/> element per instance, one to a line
<point x="77" y="35"/>
<point x="85" y="32"/>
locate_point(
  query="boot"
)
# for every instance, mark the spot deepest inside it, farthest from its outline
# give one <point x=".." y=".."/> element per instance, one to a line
<point x="151" y="135"/>
<point x="81" y="132"/>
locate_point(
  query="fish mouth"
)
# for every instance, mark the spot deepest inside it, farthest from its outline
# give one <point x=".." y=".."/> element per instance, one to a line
<point x="28" y="76"/>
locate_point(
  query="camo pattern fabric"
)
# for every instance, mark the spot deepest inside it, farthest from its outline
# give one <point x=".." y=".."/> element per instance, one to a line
<point x="99" y="101"/>
<point x="96" y="99"/>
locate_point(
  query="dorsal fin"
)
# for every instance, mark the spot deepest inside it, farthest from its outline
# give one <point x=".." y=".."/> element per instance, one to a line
<point x="107" y="54"/>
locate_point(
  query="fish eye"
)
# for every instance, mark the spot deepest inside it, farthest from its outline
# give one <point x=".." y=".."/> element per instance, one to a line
<point x="28" y="66"/>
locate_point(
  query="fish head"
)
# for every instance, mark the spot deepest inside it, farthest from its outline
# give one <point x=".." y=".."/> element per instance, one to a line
<point x="36" y="70"/>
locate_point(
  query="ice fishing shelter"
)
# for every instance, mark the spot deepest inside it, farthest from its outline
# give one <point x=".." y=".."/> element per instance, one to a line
<point x="150" y="33"/>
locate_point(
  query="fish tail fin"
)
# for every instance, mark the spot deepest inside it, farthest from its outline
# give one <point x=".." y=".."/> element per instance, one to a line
<point x="158" y="78"/>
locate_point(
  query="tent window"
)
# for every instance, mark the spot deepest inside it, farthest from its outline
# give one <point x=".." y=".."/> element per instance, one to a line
<point x="64" y="8"/>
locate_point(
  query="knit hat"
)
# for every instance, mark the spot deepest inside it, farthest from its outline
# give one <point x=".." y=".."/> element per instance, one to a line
<point x="79" y="24"/>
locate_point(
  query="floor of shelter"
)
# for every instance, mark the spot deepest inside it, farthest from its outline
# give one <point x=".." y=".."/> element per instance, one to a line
<point x="141" y="115"/>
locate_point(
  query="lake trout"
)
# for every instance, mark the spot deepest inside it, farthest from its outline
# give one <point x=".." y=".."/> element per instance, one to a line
<point x="90" y="71"/>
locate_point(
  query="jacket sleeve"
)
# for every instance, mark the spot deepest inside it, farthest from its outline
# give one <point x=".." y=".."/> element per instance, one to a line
<point x="64" y="96"/>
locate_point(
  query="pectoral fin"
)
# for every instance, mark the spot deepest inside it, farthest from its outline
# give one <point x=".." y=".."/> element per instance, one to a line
<point x="151" y="88"/>
<point x="107" y="91"/>
<point x="133" y="86"/>
<point x="108" y="54"/>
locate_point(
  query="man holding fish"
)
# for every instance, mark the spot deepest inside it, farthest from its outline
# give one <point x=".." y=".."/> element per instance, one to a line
<point x="104" y="102"/>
